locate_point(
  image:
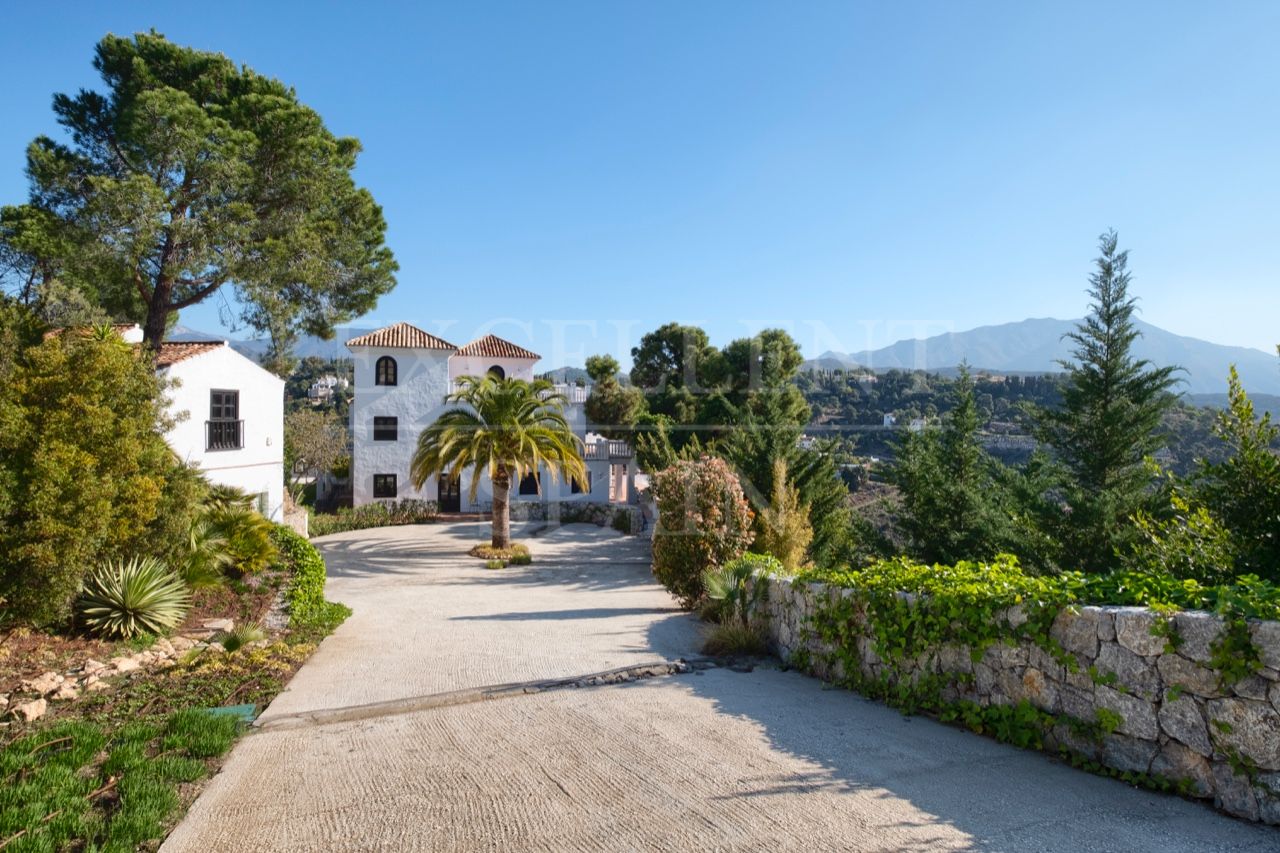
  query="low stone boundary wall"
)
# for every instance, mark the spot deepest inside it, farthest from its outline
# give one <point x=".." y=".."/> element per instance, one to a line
<point x="617" y="516"/>
<point x="1133" y="702"/>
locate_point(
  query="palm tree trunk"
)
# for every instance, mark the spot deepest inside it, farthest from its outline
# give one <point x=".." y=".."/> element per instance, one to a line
<point x="501" y="510"/>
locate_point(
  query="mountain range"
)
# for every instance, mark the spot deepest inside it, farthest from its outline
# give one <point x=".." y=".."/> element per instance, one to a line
<point x="1036" y="345"/>
<point x="1027" y="346"/>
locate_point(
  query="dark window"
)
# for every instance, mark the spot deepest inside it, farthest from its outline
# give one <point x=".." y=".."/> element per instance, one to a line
<point x="578" y="488"/>
<point x="384" y="485"/>
<point x="529" y="484"/>
<point x="385" y="371"/>
<point x="224" y="430"/>
<point x="386" y="429"/>
<point x="497" y="372"/>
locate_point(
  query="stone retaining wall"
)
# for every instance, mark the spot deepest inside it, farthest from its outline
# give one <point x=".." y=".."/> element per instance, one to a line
<point x="1176" y="718"/>
<point x="576" y="512"/>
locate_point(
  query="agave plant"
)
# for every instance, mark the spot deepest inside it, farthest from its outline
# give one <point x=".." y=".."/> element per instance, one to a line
<point x="140" y="596"/>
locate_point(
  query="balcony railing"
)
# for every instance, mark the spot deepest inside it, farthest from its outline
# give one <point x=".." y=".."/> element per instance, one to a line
<point x="224" y="435"/>
<point x="608" y="449"/>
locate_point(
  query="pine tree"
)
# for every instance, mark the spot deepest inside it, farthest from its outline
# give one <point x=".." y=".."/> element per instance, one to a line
<point x="1112" y="403"/>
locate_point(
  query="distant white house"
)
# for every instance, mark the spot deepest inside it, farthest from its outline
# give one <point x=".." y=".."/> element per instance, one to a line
<point x="402" y="377"/>
<point x="325" y="387"/>
<point x="890" y="420"/>
<point x="232" y="418"/>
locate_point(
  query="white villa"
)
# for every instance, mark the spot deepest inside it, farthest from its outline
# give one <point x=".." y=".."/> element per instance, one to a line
<point x="402" y="377"/>
<point x="231" y="416"/>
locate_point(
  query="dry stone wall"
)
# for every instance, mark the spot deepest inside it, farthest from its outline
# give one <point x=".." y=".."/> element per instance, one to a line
<point x="1165" y="712"/>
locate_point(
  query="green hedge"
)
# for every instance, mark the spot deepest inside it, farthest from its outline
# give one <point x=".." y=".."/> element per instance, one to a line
<point x="305" y="592"/>
<point x="376" y="514"/>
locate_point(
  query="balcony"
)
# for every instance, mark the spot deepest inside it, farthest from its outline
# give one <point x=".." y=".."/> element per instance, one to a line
<point x="607" y="449"/>
<point x="224" y="435"/>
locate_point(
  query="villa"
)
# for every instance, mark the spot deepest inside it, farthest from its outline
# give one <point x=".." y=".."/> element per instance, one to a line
<point x="403" y="376"/>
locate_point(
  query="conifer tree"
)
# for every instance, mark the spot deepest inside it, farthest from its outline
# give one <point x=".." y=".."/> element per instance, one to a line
<point x="1112" y="403"/>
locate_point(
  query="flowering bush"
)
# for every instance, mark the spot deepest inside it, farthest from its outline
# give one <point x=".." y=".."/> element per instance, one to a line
<point x="703" y="522"/>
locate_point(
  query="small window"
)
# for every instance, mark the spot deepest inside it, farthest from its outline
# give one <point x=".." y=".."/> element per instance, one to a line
<point x="384" y="485"/>
<point x="577" y="488"/>
<point x="224" y="430"/>
<point x="529" y="484"/>
<point x="386" y="429"/>
<point x="385" y="371"/>
<point x="497" y="372"/>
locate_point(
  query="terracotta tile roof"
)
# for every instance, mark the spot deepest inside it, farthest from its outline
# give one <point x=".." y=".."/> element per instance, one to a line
<point x="172" y="352"/>
<point x="400" y="335"/>
<point x="492" y="346"/>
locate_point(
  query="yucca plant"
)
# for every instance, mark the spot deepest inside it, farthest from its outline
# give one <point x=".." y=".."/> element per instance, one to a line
<point x="128" y="598"/>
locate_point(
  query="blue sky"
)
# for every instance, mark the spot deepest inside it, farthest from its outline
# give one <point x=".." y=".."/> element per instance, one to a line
<point x="571" y="175"/>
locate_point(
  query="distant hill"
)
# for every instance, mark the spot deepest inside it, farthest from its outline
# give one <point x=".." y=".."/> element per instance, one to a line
<point x="1033" y="346"/>
<point x="307" y="346"/>
<point x="567" y="375"/>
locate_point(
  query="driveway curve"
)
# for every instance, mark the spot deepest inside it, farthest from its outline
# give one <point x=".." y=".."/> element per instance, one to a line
<point x="383" y="741"/>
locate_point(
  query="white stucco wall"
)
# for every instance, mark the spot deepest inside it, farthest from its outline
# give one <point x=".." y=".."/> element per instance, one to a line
<point x="258" y="467"/>
<point x="416" y="400"/>
<point x="474" y="365"/>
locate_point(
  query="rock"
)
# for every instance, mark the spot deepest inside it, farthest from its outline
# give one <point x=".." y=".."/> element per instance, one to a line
<point x="1191" y="677"/>
<point x="125" y="664"/>
<point x="1128" y="753"/>
<point x="1198" y="631"/>
<point x="1066" y="738"/>
<point x="1274" y="695"/>
<point x="1106" y="624"/>
<point x="29" y="711"/>
<point x="228" y="624"/>
<point x="1253" y="687"/>
<point x="1138" y="674"/>
<point x="1042" y="692"/>
<point x="1233" y="794"/>
<point x="182" y="644"/>
<point x="96" y="684"/>
<point x="1077" y="631"/>
<point x="66" y="692"/>
<point x="1044" y="662"/>
<point x="1134" y="626"/>
<point x="1269" y="808"/>
<point x="954" y="658"/>
<point x="43" y="684"/>
<point x="1252" y="728"/>
<point x="92" y="667"/>
<point x="1077" y="704"/>
<point x="1181" y="719"/>
<point x="164" y="647"/>
<point x="1266" y="636"/>
<point x="1138" y="717"/>
<point x="1174" y="761"/>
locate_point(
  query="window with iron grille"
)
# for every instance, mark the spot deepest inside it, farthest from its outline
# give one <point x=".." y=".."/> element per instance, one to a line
<point x="529" y="484"/>
<point x="224" y="430"/>
<point x="384" y="485"/>
<point x="386" y="428"/>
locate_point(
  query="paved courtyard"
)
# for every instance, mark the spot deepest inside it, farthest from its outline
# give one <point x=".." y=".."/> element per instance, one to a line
<point x="393" y="737"/>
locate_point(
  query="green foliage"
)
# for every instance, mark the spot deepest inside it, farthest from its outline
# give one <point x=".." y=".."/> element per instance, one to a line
<point x="703" y="522"/>
<point x="125" y="599"/>
<point x="208" y="557"/>
<point x="495" y="564"/>
<point x="189" y="173"/>
<point x="1189" y="542"/>
<point x="611" y="408"/>
<point x="488" y="552"/>
<point x="240" y="636"/>
<point x="622" y="522"/>
<point x="247" y="534"/>
<point x="521" y="559"/>
<point x="784" y="529"/>
<point x="504" y="428"/>
<point x="730" y="594"/>
<point x="315" y="440"/>
<point x="376" y="514"/>
<point x="305" y="592"/>
<point x="1243" y="490"/>
<point x="956" y="501"/>
<point x="84" y="472"/>
<point x="1112" y="405"/>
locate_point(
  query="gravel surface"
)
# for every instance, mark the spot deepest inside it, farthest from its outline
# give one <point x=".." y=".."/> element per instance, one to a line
<point x="390" y="738"/>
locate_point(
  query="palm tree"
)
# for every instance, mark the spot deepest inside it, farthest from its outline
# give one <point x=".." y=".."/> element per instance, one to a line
<point x="506" y="427"/>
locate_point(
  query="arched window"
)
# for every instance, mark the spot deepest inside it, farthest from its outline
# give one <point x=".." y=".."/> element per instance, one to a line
<point x="385" y="371"/>
<point x="497" y="372"/>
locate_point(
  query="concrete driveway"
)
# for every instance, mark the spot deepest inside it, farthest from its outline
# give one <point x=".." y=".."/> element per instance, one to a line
<point x="391" y="737"/>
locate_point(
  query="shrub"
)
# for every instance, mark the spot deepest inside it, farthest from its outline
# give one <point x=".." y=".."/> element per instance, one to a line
<point x="622" y="521"/>
<point x="207" y="557"/>
<point x="377" y="514"/>
<point x="83" y="467"/>
<point x="247" y="534"/>
<point x="734" y="639"/>
<point x="522" y="559"/>
<point x="729" y="592"/>
<point x="703" y="522"/>
<point x="305" y="593"/>
<point x="488" y="552"/>
<point x="240" y="636"/>
<point x="125" y="599"/>
<point x="785" y="531"/>
<point x="495" y="564"/>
